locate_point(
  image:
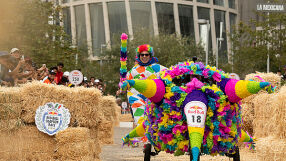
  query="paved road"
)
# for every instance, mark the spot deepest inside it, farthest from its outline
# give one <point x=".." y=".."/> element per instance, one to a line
<point x="116" y="152"/>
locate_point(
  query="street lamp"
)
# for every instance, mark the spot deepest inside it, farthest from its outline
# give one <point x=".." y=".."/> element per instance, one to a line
<point x="204" y="35"/>
<point x="218" y="41"/>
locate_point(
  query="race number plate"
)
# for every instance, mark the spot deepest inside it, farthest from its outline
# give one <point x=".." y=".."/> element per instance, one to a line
<point x="195" y="112"/>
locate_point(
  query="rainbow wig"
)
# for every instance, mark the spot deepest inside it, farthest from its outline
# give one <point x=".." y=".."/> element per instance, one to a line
<point x="145" y="47"/>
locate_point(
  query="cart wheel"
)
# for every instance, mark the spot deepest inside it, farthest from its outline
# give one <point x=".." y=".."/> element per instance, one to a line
<point x="236" y="156"/>
<point x="147" y="151"/>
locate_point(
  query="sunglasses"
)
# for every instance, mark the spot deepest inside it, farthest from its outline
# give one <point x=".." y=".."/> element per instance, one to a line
<point x="144" y="55"/>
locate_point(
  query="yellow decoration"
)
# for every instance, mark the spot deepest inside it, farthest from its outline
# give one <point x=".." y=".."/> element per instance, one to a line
<point x="241" y="89"/>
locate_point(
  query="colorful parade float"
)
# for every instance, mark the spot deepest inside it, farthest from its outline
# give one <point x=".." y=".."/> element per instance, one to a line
<point x="192" y="109"/>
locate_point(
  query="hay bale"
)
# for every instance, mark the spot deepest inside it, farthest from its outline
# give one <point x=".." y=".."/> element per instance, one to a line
<point x="263" y="119"/>
<point x="126" y="118"/>
<point x="110" y="109"/>
<point x="75" y="144"/>
<point x="105" y="134"/>
<point x="271" y="148"/>
<point x="78" y="134"/>
<point x="80" y="102"/>
<point x="273" y="78"/>
<point x="26" y="143"/>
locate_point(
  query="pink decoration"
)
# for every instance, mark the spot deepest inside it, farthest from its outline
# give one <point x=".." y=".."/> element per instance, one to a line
<point x="194" y="84"/>
<point x="159" y="95"/>
<point x="217" y="77"/>
<point x="230" y="91"/>
<point x="124" y="36"/>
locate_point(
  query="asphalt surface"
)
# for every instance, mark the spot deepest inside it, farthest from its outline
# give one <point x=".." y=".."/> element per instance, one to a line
<point x="116" y="152"/>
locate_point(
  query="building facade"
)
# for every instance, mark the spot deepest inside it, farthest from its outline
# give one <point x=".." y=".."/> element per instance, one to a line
<point x="92" y="23"/>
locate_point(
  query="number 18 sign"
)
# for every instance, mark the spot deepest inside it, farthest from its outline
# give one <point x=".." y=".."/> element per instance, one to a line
<point x="196" y="113"/>
<point x="75" y="77"/>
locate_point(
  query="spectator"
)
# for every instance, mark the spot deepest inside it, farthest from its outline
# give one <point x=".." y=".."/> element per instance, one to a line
<point x="51" y="78"/>
<point x="59" y="73"/>
<point x="91" y="83"/>
<point x="284" y="73"/>
<point x="96" y="83"/>
<point x="65" y="79"/>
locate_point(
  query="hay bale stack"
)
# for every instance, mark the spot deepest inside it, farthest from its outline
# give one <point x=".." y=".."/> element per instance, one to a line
<point x="278" y="112"/>
<point x="75" y="144"/>
<point x="80" y="101"/>
<point x="271" y="148"/>
<point x="270" y="114"/>
<point x="26" y="143"/>
<point x="263" y="118"/>
<point x="248" y="113"/>
<point x="110" y="117"/>
<point x="273" y="78"/>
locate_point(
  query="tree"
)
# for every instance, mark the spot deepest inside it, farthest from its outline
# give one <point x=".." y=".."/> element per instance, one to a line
<point x="249" y="44"/>
<point x="25" y="25"/>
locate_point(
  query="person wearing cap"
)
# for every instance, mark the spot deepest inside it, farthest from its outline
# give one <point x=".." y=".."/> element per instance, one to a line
<point x="12" y="66"/>
<point x="145" y="68"/>
<point x="65" y="79"/>
<point x="51" y="77"/>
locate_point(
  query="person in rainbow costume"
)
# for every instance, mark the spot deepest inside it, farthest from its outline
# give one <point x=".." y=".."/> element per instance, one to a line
<point x="193" y="108"/>
<point x="145" y="68"/>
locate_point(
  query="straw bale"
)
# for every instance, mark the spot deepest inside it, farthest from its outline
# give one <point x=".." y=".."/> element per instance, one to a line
<point x="26" y="143"/>
<point x="106" y="132"/>
<point x="263" y="120"/>
<point x="110" y="109"/>
<point x="278" y="113"/>
<point x="73" y="134"/>
<point x="126" y="118"/>
<point x="80" y="102"/>
<point x="271" y="148"/>
<point x="10" y="94"/>
<point x="10" y="110"/>
<point x="273" y="78"/>
<point x="10" y="125"/>
<point x="76" y="150"/>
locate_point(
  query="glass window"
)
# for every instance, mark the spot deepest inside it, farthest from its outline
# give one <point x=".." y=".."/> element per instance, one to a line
<point x="203" y="1"/>
<point x="186" y="20"/>
<point x="80" y="26"/>
<point x="165" y="17"/>
<point x="97" y="28"/>
<point x="67" y="20"/>
<point x="117" y="18"/>
<point x="141" y="16"/>
<point x="231" y="4"/>
<point x="218" y="2"/>
<point x="205" y="28"/>
<point x="220" y="31"/>
<point x="232" y="21"/>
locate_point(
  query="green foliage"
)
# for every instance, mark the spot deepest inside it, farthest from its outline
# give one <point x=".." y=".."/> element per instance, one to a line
<point x="30" y="32"/>
<point x="249" y="44"/>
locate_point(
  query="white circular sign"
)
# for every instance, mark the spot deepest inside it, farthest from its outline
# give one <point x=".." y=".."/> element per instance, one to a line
<point x="124" y="105"/>
<point x="75" y="77"/>
<point x="52" y="118"/>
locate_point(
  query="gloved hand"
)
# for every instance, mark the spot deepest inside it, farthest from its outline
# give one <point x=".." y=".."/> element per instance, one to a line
<point x="127" y="84"/>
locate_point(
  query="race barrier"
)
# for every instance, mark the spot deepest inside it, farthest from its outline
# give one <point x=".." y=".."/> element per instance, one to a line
<point x="92" y="118"/>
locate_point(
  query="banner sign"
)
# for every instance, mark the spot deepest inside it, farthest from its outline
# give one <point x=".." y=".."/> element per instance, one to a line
<point x="196" y="112"/>
<point x="75" y="77"/>
<point x="271" y="7"/>
<point x="52" y="118"/>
